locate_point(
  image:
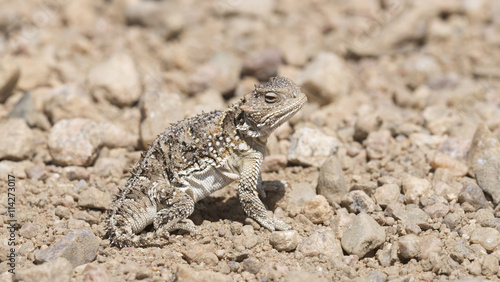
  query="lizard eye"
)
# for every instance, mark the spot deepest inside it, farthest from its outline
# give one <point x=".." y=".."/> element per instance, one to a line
<point x="271" y="97"/>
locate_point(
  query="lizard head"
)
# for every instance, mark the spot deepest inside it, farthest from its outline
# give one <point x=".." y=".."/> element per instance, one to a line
<point x="270" y="104"/>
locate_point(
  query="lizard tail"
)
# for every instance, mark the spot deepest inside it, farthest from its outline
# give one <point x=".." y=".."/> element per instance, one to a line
<point x="124" y="223"/>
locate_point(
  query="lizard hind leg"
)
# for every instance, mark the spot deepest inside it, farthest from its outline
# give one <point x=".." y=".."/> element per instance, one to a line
<point x="174" y="215"/>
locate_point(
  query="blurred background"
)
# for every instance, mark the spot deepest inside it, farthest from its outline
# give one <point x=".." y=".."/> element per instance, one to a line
<point x="397" y="89"/>
<point x="124" y="61"/>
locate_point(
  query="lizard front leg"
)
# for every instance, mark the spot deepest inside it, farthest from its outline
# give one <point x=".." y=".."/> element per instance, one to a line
<point x="249" y="196"/>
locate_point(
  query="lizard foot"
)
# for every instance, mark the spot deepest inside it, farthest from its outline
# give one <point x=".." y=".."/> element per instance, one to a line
<point x="273" y="224"/>
<point x="185" y="225"/>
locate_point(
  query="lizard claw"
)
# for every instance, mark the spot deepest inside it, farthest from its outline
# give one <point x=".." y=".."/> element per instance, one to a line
<point x="273" y="224"/>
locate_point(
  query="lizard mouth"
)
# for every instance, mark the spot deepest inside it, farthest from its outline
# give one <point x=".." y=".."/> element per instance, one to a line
<point x="277" y="118"/>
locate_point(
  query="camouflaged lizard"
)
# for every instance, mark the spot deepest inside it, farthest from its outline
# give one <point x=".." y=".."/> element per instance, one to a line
<point x="197" y="156"/>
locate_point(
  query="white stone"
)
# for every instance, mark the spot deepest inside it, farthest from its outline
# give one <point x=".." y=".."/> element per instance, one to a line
<point x="311" y="147"/>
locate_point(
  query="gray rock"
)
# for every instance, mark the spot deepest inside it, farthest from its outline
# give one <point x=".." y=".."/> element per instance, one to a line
<point x="70" y="101"/>
<point x="321" y="243"/>
<point x="452" y="154"/>
<point x="233" y="265"/>
<point x="35" y="71"/>
<point x="209" y="259"/>
<point x="366" y="123"/>
<point x="258" y="8"/>
<point x="274" y="163"/>
<point x="106" y="167"/>
<point x="376" y="276"/>
<point x="363" y="236"/>
<point x="299" y="195"/>
<point x="317" y="210"/>
<point x="395" y="31"/>
<point x="489" y="265"/>
<point x="221" y="73"/>
<point x="57" y="270"/>
<point x="76" y="173"/>
<point x="158" y="111"/>
<point x="473" y="194"/>
<point x="378" y="144"/>
<point x="18" y="141"/>
<point x="117" y="80"/>
<point x="37" y="172"/>
<point x="486" y="172"/>
<point x="251" y="265"/>
<point x="162" y="17"/>
<point x="144" y="13"/>
<point x="29" y="230"/>
<point x="325" y="79"/>
<point x="8" y="85"/>
<point x="409" y="246"/>
<point x="262" y="64"/>
<point x="186" y="273"/>
<point x="114" y="136"/>
<point x="411" y="214"/>
<point x="285" y="241"/>
<point x="331" y="183"/>
<point x="341" y="221"/>
<point x="386" y="179"/>
<point x="78" y="247"/>
<point x="195" y="251"/>
<point x="462" y="251"/>
<point x="207" y="101"/>
<point x="94" y="198"/>
<point x="414" y="188"/>
<point x="486" y="218"/>
<point x="452" y="220"/>
<point x="26" y="109"/>
<point x="301" y="275"/>
<point x="311" y="147"/>
<point x="387" y="255"/>
<point x="358" y="201"/>
<point x="487" y="237"/>
<point x="15" y="168"/>
<point x="387" y="194"/>
<point x="96" y="273"/>
<point x="484" y="144"/>
<point x="484" y="161"/>
<point x="74" y="142"/>
<point x="437" y="210"/>
<point x="430" y="245"/>
<point x="418" y="69"/>
<point x="474" y="269"/>
<point x="478" y="11"/>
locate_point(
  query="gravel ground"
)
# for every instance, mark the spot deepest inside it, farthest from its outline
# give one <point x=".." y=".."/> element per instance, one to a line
<point x="392" y="166"/>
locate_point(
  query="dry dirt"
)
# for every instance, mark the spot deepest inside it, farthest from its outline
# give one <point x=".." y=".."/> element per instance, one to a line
<point x="399" y="138"/>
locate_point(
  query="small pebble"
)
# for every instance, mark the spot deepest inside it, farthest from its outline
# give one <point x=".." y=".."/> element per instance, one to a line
<point x="331" y="183"/>
<point x="363" y="235"/>
<point x="320" y="243"/>
<point x="414" y="188"/>
<point x="487" y="237"/>
<point x="378" y="144"/>
<point x="285" y="240"/>
<point x="358" y="202"/>
<point x="74" y="142"/>
<point x="317" y="210"/>
<point x="311" y="147"/>
<point x="409" y="246"/>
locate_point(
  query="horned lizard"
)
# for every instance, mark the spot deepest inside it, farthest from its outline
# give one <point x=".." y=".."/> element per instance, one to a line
<point x="197" y="156"/>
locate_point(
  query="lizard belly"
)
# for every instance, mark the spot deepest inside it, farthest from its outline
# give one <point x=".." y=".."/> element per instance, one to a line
<point x="204" y="182"/>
